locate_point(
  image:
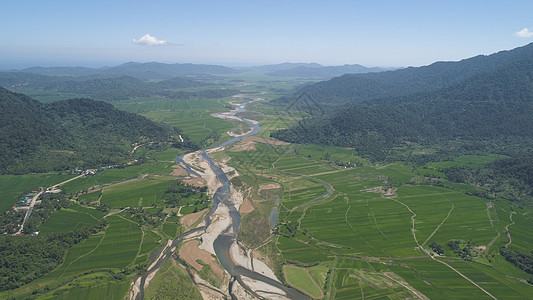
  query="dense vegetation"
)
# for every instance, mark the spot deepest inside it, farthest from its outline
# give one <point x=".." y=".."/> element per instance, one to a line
<point x="521" y="260"/>
<point x="25" y="258"/>
<point x="510" y="178"/>
<point x="36" y="137"/>
<point x="481" y="103"/>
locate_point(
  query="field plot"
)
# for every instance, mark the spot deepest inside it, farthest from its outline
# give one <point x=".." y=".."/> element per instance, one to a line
<point x="136" y="193"/>
<point x="296" y="165"/>
<point x="437" y="281"/>
<point x="371" y="227"/>
<point x="520" y="231"/>
<point x="468" y="221"/>
<point x="107" y="288"/>
<point x="355" y="279"/>
<point x="299" y="251"/>
<point x="70" y="218"/>
<point x="116" y="249"/>
<point x="300" y="191"/>
<point x="301" y="279"/>
<point x="151" y="240"/>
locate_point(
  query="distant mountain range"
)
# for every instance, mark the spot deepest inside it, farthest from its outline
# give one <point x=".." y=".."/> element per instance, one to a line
<point x="475" y="104"/>
<point x="318" y="71"/>
<point x="144" y="71"/>
<point x="161" y="71"/>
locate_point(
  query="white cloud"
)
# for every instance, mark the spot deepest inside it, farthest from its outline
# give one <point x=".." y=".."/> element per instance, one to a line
<point x="149" y="40"/>
<point x="524" y="33"/>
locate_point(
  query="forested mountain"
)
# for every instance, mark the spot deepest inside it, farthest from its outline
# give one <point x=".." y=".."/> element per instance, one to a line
<point x="145" y="71"/>
<point x="358" y="88"/>
<point x="110" y="88"/>
<point x="485" y="101"/>
<point x="37" y="137"/>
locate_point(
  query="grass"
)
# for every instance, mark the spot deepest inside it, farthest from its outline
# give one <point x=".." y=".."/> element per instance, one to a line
<point x="300" y="279"/>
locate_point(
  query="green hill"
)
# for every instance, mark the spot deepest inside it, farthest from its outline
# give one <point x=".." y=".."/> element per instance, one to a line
<point x="37" y="137"/>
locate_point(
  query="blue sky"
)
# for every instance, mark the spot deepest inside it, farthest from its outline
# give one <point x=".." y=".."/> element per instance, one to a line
<point x="237" y="33"/>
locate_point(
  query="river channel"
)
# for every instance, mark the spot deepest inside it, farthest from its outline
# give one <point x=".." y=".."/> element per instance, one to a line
<point x="224" y="241"/>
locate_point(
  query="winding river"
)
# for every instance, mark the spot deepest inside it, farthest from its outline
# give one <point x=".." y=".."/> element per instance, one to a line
<point x="224" y="241"/>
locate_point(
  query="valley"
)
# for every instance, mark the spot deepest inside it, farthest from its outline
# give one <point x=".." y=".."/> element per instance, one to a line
<point x="262" y="193"/>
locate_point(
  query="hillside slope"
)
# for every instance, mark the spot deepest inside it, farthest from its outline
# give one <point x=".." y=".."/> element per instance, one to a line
<point x="365" y="88"/>
<point x="486" y="109"/>
<point x="37" y="137"/>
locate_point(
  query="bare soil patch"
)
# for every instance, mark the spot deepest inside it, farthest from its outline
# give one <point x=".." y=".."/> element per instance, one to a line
<point x="246" y="206"/>
<point x="198" y="182"/>
<point x="269" y="186"/>
<point x="297" y="188"/>
<point x="190" y="219"/>
<point x="245" y="146"/>
<point x="191" y="253"/>
<point x="390" y="192"/>
<point x="179" y="171"/>
<point x="377" y="189"/>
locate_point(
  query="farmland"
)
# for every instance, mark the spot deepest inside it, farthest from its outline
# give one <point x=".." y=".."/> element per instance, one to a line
<point x="191" y="116"/>
<point x="69" y="218"/>
<point x="136" y="193"/>
<point x="301" y="279"/>
<point x="363" y="226"/>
